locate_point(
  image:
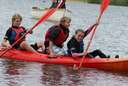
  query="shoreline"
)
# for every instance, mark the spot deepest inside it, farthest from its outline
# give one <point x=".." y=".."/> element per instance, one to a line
<point x="94" y="2"/>
<point x="76" y="1"/>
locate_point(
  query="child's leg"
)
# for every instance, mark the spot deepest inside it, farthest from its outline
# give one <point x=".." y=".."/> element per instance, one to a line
<point x="41" y="45"/>
<point x="38" y="46"/>
<point x="97" y="53"/>
<point x="26" y="46"/>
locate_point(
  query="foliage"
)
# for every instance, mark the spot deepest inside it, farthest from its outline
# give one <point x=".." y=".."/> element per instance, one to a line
<point x="113" y="2"/>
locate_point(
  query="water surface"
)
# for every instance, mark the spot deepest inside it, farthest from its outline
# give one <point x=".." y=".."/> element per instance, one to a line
<point x="111" y="37"/>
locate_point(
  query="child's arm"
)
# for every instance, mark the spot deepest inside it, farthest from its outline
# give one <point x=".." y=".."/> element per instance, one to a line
<point x="5" y="43"/>
<point x="90" y="29"/>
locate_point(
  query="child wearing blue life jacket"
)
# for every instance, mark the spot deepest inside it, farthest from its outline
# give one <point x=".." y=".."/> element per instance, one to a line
<point x="76" y="46"/>
<point x="14" y="33"/>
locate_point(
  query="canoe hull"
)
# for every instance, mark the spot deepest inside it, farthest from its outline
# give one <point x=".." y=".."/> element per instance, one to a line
<point x="109" y="64"/>
<point x="37" y="13"/>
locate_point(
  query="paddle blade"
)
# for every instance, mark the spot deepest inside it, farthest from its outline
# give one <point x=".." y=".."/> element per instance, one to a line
<point x="104" y="5"/>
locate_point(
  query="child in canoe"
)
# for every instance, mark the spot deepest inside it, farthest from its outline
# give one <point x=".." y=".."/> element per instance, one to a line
<point x="56" y="36"/>
<point x="76" y="46"/>
<point x="14" y="33"/>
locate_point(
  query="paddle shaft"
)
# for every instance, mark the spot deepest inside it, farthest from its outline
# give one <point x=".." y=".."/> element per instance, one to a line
<point x="104" y="5"/>
<point x="89" y="43"/>
<point x="42" y="19"/>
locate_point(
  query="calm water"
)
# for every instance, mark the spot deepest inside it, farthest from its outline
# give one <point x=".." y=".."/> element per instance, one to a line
<point x="111" y="37"/>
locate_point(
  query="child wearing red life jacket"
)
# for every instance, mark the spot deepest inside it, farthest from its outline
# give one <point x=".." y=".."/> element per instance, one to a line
<point x="14" y="33"/>
<point x="56" y="36"/>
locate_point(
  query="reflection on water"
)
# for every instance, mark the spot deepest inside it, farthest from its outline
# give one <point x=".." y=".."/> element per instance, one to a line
<point x="15" y="73"/>
<point x="110" y="38"/>
<point x="51" y="75"/>
<point x="56" y="75"/>
<point x="11" y="72"/>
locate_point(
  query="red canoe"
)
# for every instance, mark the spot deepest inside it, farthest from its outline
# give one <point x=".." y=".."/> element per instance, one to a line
<point x="109" y="64"/>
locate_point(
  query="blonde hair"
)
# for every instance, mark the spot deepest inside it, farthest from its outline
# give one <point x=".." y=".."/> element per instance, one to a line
<point x="64" y="19"/>
<point x="16" y="16"/>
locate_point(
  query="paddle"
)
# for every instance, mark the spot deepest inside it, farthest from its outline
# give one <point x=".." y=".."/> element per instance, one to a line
<point x="103" y="7"/>
<point x="42" y="19"/>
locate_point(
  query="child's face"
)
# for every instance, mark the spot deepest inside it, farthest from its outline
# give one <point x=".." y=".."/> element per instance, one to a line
<point x="79" y="36"/>
<point x="67" y="23"/>
<point x="16" y="22"/>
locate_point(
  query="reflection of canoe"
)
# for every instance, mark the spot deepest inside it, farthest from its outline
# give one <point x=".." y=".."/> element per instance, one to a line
<point x="109" y="64"/>
<point x="37" y="13"/>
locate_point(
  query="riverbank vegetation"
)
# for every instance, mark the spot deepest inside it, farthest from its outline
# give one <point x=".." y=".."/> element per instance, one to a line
<point x="113" y="2"/>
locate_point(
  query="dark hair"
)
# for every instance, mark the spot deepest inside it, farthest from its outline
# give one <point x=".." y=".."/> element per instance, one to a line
<point x="79" y="30"/>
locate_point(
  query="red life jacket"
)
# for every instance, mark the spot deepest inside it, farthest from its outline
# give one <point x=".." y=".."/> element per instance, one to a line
<point x="18" y="32"/>
<point x="59" y="39"/>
